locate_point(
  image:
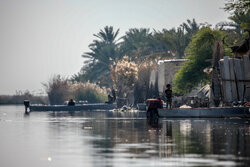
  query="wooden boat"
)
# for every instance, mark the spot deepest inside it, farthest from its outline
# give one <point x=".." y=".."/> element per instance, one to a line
<point x="213" y="112"/>
<point x="155" y="108"/>
<point x="88" y="106"/>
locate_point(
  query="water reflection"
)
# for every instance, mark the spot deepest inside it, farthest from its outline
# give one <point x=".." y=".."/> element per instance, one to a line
<point x="101" y="138"/>
<point x="127" y="136"/>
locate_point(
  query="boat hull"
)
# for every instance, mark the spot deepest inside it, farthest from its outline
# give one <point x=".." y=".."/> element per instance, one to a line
<point x="98" y="106"/>
<point x="242" y="112"/>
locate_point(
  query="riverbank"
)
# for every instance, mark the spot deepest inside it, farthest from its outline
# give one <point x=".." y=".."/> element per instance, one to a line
<point x="18" y="99"/>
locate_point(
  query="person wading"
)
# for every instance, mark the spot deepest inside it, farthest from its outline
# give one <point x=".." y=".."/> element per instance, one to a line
<point x="168" y="93"/>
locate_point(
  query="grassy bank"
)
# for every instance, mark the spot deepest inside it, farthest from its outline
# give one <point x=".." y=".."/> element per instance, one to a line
<point x="20" y="96"/>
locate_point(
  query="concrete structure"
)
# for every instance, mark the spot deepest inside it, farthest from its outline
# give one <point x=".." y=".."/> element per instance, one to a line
<point x="235" y="79"/>
<point x="165" y="73"/>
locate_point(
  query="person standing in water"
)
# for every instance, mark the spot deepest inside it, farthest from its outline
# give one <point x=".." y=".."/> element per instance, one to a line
<point x="168" y="93"/>
<point x="71" y="102"/>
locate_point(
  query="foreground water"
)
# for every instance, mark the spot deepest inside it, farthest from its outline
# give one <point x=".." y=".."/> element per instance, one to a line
<point x="119" y="139"/>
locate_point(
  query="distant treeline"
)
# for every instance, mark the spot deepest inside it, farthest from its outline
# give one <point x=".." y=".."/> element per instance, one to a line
<point x="20" y="96"/>
<point x="190" y="40"/>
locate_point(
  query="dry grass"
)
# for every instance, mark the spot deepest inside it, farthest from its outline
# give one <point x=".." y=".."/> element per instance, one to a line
<point x="60" y="89"/>
<point x="88" y="91"/>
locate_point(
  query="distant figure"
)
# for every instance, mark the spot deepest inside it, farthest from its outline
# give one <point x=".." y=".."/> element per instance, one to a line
<point x="114" y="95"/>
<point x="168" y="93"/>
<point x="71" y="102"/>
<point x="110" y="99"/>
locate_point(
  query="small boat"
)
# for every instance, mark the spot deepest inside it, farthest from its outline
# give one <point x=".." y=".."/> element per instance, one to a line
<point x="82" y="107"/>
<point x="213" y="112"/>
<point x="155" y="109"/>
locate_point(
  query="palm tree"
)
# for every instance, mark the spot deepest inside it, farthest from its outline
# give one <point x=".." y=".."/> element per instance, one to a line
<point x="107" y="35"/>
<point x="174" y="41"/>
<point x="240" y="12"/>
<point x="138" y="44"/>
<point x="241" y="7"/>
<point x="102" y="51"/>
<point x="229" y="27"/>
<point x="191" y="27"/>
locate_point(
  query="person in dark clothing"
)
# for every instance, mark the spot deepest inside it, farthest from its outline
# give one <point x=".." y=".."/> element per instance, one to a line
<point x="110" y="99"/>
<point x="114" y="95"/>
<point x="168" y="93"/>
<point x="71" y="102"/>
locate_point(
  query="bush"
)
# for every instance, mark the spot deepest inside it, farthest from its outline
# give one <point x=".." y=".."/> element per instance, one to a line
<point x="124" y="74"/>
<point x="58" y="90"/>
<point x="88" y="91"/>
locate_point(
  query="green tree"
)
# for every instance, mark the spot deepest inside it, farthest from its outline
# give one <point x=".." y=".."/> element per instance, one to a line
<point x="238" y="6"/>
<point x="138" y="43"/>
<point x="240" y="10"/>
<point x="198" y="51"/>
<point x="176" y="40"/>
<point x="102" y="51"/>
<point x="191" y="28"/>
<point x="231" y="27"/>
<point x="108" y="35"/>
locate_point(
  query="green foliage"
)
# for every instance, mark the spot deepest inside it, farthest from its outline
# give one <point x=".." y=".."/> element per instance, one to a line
<point x="238" y="6"/>
<point x="242" y="19"/>
<point x="240" y="10"/>
<point x="198" y="51"/>
<point x="88" y="91"/>
<point x="138" y="43"/>
<point x="92" y="96"/>
<point x="102" y="52"/>
<point x="58" y="89"/>
<point x="176" y="40"/>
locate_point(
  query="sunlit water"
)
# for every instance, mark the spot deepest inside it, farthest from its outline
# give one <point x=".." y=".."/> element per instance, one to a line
<point x="63" y="139"/>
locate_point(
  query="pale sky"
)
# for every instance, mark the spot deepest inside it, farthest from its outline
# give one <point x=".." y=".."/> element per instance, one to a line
<point x="40" y="38"/>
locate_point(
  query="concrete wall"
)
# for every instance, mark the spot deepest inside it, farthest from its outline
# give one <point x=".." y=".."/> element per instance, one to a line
<point x="165" y="71"/>
<point x="235" y="79"/>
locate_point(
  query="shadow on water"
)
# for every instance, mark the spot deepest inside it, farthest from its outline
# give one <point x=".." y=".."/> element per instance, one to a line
<point x="116" y="135"/>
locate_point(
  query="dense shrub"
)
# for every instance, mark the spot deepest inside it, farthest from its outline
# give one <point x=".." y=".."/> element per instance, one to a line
<point x="60" y="89"/>
<point x="88" y="91"/>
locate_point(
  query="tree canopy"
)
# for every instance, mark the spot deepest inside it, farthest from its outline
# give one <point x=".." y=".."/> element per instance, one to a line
<point x="240" y="10"/>
<point x="198" y="52"/>
<point x="139" y="44"/>
<point x="102" y="51"/>
<point x="190" y="40"/>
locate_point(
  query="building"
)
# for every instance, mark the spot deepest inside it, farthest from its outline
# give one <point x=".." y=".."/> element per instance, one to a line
<point x="165" y="72"/>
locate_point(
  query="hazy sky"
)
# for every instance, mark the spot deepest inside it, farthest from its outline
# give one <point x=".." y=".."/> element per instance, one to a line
<point x="40" y="38"/>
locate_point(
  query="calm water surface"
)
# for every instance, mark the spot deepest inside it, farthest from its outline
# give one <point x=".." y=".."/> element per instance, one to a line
<point x="119" y="139"/>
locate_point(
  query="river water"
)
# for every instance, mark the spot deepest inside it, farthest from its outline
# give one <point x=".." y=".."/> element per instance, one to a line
<point x="98" y="138"/>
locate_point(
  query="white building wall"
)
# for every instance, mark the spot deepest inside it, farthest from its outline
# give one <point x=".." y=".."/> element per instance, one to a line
<point x="166" y="71"/>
